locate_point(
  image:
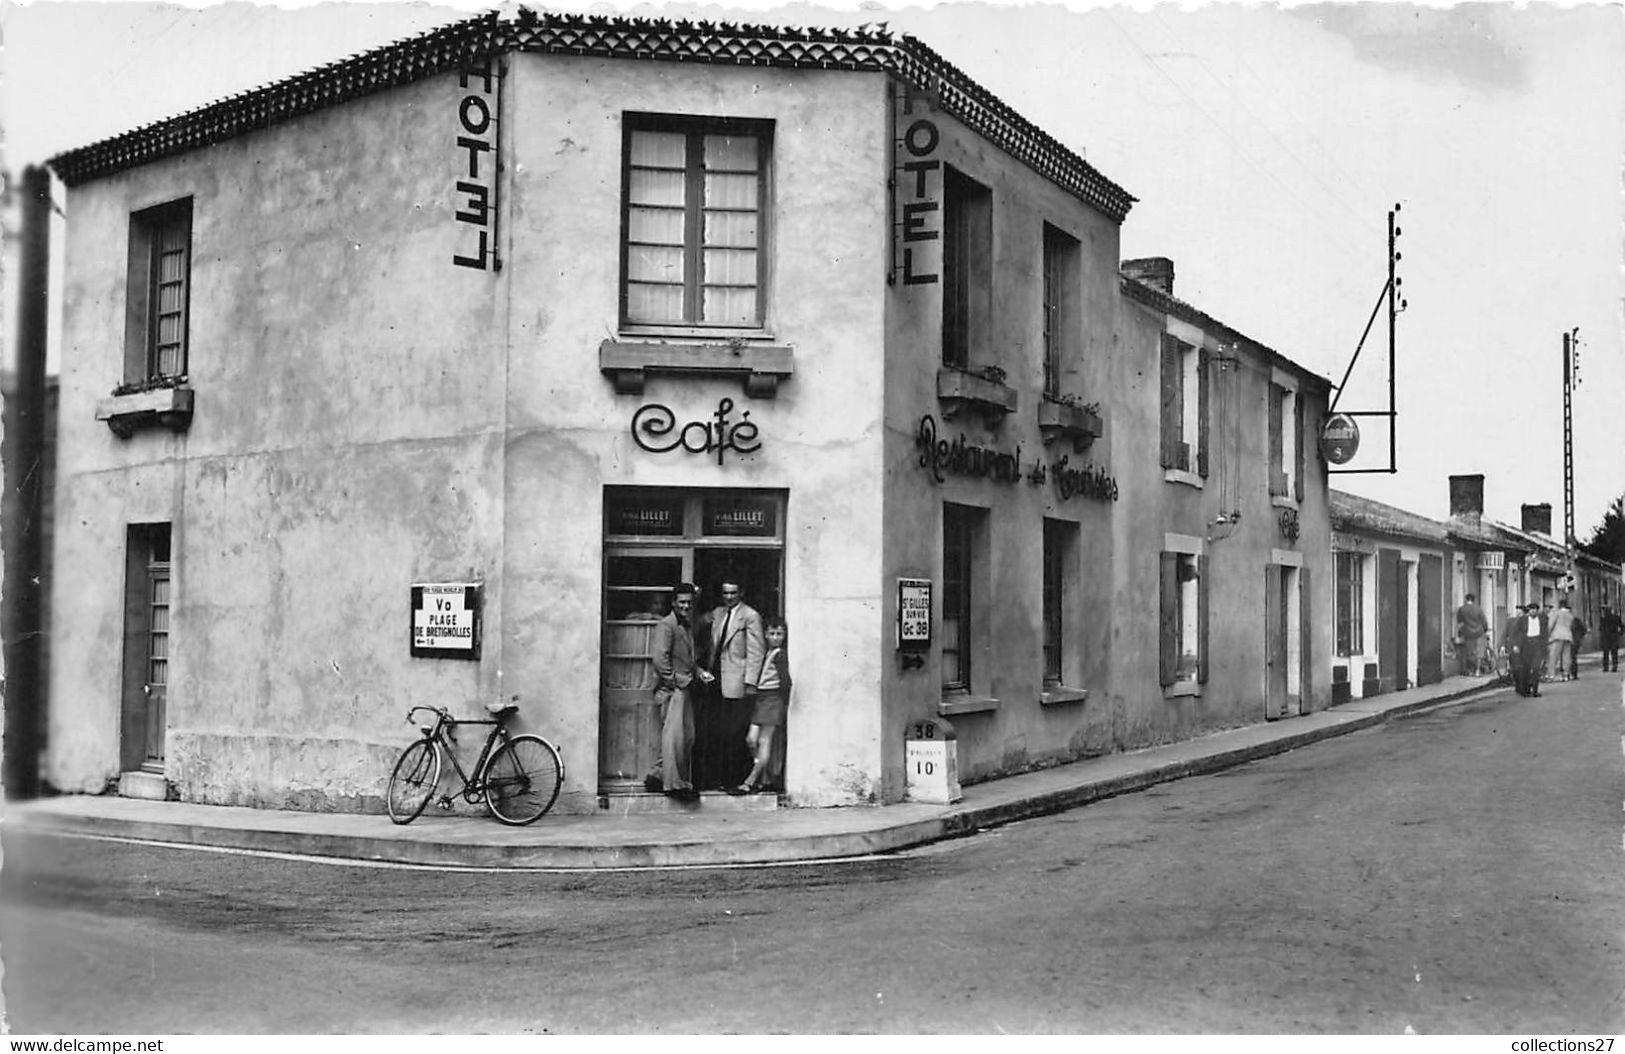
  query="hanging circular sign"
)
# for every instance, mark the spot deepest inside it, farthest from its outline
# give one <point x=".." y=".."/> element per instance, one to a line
<point x="1339" y="439"/>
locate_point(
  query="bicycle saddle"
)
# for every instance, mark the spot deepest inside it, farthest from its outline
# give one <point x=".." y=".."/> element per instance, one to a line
<point x="497" y="709"/>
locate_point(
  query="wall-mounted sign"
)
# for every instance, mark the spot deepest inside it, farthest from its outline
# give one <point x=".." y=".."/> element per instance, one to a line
<point x="740" y="517"/>
<point x="639" y="515"/>
<point x="476" y="185"/>
<point x="1492" y="561"/>
<point x="918" y="226"/>
<point x="964" y="458"/>
<point x="914" y="613"/>
<point x="1339" y="439"/>
<point x="655" y="429"/>
<point x="1288" y="521"/>
<point x="446" y="620"/>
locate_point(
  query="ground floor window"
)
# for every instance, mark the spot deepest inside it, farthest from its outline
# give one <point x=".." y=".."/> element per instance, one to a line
<point x="1060" y="541"/>
<point x="1350" y="604"/>
<point x="958" y="531"/>
<point x="1184" y="600"/>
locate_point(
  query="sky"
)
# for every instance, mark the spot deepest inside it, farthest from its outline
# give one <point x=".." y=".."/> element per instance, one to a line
<point x="1266" y="145"/>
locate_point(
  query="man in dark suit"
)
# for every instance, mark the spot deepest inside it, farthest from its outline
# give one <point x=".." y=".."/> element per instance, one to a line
<point x="675" y="674"/>
<point x="1526" y="642"/>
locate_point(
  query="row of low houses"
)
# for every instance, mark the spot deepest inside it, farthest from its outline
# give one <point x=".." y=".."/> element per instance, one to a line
<point x="1401" y="578"/>
<point x="423" y="376"/>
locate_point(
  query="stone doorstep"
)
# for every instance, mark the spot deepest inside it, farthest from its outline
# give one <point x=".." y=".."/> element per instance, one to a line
<point x="643" y="803"/>
<point x="150" y="786"/>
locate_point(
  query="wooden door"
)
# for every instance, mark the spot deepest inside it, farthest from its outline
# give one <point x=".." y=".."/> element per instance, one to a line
<point x="637" y="594"/>
<point x="1390" y="607"/>
<point x="1275" y="650"/>
<point x="144" y="708"/>
<point x="1430" y="615"/>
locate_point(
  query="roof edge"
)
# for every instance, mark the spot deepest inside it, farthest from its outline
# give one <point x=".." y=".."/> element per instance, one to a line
<point x="459" y="45"/>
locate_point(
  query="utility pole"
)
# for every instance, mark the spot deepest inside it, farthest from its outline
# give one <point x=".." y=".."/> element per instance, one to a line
<point x="24" y="464"/>
<point x="1571" y="353"/>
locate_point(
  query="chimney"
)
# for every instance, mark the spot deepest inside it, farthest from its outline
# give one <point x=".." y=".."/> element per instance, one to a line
<point x="1537" y="519"/>
<point x="1466" y="498"/>
<point x="1154" y="271"/>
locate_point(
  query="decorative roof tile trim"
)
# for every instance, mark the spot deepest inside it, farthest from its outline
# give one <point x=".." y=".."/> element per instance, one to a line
<point x="473" y="40"/>
<point x="1157" y="300"/>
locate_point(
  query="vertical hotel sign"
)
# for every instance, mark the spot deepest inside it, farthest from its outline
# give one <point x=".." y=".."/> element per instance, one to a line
<point x="916" y="191"/>
<point x="474" y="197"/>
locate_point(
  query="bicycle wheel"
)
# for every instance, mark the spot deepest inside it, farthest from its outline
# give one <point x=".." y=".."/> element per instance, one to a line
<point x="413" y="782"/>
<point x="522" y="779"/>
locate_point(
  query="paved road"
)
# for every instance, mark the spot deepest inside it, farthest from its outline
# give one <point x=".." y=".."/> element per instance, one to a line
<point x="1455" y="872"/>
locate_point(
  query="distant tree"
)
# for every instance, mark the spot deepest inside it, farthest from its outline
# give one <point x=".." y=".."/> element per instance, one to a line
<point x="1608" y="538"/>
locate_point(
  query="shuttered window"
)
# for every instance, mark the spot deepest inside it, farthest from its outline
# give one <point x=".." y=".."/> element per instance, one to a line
<point x="1183" y="652"/>
<point x="1350" y="604"/>
<point x="957" y="553"/>
<point x="967" y="271"/>
<point x="695" y="221"/>
<point x="1185" y="396"/>
<point x="158" y="293"/>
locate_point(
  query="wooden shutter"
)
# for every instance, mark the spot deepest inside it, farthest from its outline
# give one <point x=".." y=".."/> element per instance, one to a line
<point x="1298" y="445"/>
<point x="1172" y="396"/>
<point x="1202" y="362"/>
<point x="1168" y="628"/>
<point x="1306" y="636"/>
<point x="1275" y="465"/>
<point x="1201" y="619"/>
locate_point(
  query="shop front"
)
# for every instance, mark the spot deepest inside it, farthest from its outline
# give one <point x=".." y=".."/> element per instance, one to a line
<point x="653" y="539"/>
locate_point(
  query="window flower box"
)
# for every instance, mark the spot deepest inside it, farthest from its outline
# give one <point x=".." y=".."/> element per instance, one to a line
<point x="1062" y="419"/>
<point x="167" y="407"/>
<point x="958" y="390"/>
<point x="760" y="367"/>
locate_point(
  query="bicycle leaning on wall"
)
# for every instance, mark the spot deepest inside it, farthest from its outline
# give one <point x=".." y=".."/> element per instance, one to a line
<point x="516" y="776"/>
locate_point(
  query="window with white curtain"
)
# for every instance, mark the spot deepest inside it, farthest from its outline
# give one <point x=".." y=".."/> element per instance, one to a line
<point x="695" y="221"/>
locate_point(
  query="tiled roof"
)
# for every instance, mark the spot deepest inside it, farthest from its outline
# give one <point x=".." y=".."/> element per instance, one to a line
<point x="1350" y="512"/>
<point x="470" y="42"/>
<point x="1156" y="299"/>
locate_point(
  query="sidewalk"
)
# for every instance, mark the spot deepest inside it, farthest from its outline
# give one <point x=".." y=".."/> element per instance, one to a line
<point x="608" y="840"/>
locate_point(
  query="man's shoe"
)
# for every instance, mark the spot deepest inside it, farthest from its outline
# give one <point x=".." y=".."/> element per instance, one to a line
<point x="683" y="794"/>
<point x="652" y="785"/>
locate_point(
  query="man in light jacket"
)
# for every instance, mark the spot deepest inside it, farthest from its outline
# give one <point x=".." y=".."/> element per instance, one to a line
<point x="737" y="648"/>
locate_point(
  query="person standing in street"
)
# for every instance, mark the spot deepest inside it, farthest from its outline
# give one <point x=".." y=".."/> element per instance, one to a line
<point x="1577" y="634"/>
<point x="1610" y="628"/>
<point x="1470" y="630"/>
<point x="1526" y="637"/>
<point x="1560" y="635"/>
<point x="736" y="650"/>
<point x="675" y="674"/>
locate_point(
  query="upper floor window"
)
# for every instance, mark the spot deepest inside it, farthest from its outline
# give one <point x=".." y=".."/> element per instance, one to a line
<point x="1286" y="444"/>
<point x="1184" y="406"/>
<point x="967" y="266"/>
<point x="158" y="292"/>
<point x="695" y="221"/>
<point x="1061" y="323"/>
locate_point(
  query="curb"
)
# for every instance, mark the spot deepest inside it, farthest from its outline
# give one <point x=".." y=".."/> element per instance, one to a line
<point x="953" y="823"/>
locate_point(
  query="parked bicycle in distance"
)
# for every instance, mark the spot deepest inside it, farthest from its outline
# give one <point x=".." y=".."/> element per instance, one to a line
<point x="517" y="777"/>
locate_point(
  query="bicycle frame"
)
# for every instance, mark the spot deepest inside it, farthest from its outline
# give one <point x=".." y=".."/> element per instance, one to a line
<point x="443" y="734"/>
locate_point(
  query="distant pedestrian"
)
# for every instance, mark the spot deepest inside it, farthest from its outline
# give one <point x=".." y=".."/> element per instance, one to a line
<point x="1470" y="630"/>
<point x="1577" y="634"/>
<point x="1610" y="629"/>
<point x="1559" y="637"/>
<point x="769" y="711"/>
